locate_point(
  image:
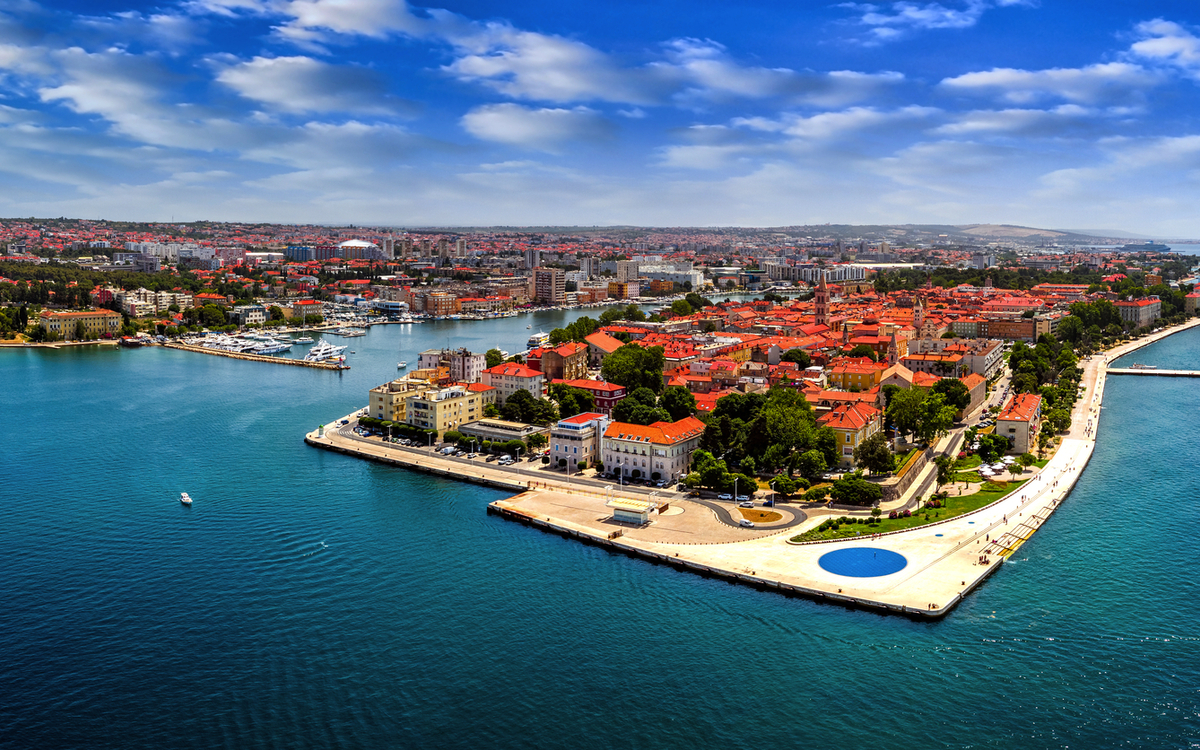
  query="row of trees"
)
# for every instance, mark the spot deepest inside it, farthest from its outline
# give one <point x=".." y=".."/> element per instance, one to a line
<point x="643" y="406"/>
<point x="767" y="432"/>
<point x="925" y="415"/>
<point x="13" y="319"/>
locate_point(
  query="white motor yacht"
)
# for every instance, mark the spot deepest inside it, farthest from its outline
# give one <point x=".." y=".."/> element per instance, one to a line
<point x="185" y="498"/>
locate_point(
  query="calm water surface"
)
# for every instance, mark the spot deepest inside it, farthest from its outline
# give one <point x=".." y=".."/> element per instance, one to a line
<point x="313" y="600"/>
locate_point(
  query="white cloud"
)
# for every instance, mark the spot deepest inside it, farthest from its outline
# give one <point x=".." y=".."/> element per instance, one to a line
<point x="312" y="21"/>
<point x="541" y="129"/>
<point x="1168" y="43"/>
<point x="1088" y="85"/>
<point x="302" y="84"/>
<point x="829" y="125"/>
<point x="540" y="67"/>
<point x="1019" y="121"/>
<point x="894" y="20"/>
<point x="527" y="65"/>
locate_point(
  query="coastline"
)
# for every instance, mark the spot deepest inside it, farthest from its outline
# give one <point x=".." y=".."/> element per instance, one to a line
<point x="943" y="561"/>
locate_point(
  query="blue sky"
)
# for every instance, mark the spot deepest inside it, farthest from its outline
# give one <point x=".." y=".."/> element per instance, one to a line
<point x="1035" y="112"/>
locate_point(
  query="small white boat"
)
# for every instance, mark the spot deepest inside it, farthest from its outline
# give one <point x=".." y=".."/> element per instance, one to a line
<point x="528" y="327"/>
<point x="304" y="340"/>
<point x="401" y="365"/>
<point x="185" y="498"/>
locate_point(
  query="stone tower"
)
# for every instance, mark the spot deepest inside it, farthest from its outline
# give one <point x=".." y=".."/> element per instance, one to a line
<point x="893" y="353"/>
<point x="822" y="299"/>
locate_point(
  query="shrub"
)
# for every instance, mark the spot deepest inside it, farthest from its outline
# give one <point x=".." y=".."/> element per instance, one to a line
<point x="876" y="512"/>
<point x="636" y="473"/>
<point x="892" y="515"/>
<point x="908" y="514"/>
<point x="580" y="466"/>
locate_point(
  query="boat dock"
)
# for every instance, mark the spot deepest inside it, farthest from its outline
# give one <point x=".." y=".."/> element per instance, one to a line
<point x="258" y="357"/>
<point x="1159" y="373"/>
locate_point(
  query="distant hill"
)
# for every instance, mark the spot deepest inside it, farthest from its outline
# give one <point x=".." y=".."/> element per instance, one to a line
<point x="1108" y="233"/>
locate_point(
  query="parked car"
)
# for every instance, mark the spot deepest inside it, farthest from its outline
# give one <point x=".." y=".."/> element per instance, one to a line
<point x="745" y="504"/>
<point x="745" y="499"/>
<point x="724" y="496"/>
<point x="472" y="455"/>
<point x="490" y="458"/>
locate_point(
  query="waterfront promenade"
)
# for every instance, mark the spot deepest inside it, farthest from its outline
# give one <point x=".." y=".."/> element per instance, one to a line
<point x="941" y="562"/>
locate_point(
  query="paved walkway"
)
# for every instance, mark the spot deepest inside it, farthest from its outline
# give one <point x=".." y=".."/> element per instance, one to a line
<point x="945" y="560"/>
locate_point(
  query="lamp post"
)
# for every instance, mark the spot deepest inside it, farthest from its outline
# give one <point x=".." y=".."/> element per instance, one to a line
<point x="518" y="460"/>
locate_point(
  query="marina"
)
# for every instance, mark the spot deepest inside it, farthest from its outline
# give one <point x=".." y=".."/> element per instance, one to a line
<point x="319" y="364"/>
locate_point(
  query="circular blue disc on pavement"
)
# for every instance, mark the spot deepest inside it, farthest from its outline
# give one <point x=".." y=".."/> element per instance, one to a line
<point x="862" y="562"/>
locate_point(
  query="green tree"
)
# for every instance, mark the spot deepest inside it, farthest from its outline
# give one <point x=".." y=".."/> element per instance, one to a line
<point x="494" y="357"/>
<point x="634" y="366"/>
<point x="811" y="464"/>
<point x="678" y="401"/>
<point x="875" y="455"/>
<point x="538" y="440"/>
<point x="826" y="441"/>
<point x="854" y="490"/>
<point x="275" y="312"/>
<point x="640" y="407"/>
<point x="784" y="485"/>
<point x="945" y="470"/>
<point x="681" y="308"/>
<point x="937" y="417"/>
<point x="1071" y="329"/>
<point x="904" y="410"/>
<point x="696" y="302"/>
<point x="954" y="391"/>
<point x="799" y="356"/>
<point x="864" y="350"/>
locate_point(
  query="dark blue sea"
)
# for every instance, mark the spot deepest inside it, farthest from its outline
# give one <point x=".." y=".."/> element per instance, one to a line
<point x="311" y="600"/>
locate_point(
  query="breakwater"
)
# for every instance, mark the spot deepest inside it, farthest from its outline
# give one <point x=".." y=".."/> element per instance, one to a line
<point x="258" y="357"/>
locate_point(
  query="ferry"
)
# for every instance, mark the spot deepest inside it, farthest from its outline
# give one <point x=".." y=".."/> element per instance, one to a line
<point x="537" y="340"/>
<point x="185" y="498"/>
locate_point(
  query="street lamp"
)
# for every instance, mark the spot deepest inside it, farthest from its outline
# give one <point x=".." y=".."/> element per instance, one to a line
<point x="518" y="460"/>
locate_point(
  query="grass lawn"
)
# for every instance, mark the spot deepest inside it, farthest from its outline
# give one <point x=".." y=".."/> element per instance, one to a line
<point x="970" y="462"/>
<point x="991" y="492"/>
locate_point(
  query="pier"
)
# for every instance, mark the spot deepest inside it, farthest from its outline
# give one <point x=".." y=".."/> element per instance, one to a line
<point x="257" y="357"/>
<point x="1159" y="373"/>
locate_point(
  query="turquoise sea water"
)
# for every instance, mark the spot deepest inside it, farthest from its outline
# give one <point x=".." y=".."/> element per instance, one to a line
<point x="314" y="600"/>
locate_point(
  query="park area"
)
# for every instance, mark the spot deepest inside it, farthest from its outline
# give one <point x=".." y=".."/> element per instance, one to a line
<point x="952" y="506"/>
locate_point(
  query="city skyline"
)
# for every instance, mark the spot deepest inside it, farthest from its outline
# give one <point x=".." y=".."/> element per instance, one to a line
<point x="1058" y="115"/>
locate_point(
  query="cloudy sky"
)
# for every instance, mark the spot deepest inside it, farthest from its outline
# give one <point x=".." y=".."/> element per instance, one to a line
<point x="1051" y="113"/>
